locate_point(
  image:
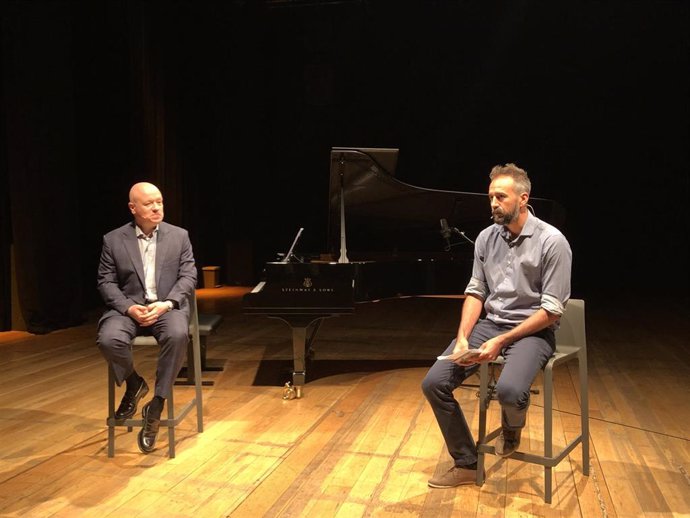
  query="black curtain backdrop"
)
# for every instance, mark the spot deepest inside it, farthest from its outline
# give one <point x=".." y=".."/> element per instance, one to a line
<point x="39" y="118"/>
<point x="126" y="128"/>
<point x="86" y="116"/>
<point x="5" y="231"/>
<point x="232" y="108"/>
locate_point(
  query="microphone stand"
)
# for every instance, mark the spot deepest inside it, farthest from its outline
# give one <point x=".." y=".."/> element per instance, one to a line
<point x="461" y="234"/>
<point x="447" y="232"/>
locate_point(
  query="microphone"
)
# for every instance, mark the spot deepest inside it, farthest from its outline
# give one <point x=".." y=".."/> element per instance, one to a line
<point x="445" y="233"/>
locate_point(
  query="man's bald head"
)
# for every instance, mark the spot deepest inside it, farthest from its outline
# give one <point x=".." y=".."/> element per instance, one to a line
<point x="146" y="205"/>
<point x="142" y="189"/>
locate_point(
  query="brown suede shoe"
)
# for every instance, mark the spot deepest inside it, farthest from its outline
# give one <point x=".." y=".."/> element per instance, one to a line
<point x="454" y="477"/>
<point x="507" y="442"/>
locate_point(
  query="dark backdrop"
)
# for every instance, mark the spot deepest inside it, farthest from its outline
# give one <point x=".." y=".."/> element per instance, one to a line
<point x="232" y="107"/>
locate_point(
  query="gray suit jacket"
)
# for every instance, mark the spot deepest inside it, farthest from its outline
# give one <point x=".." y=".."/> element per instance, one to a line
<point x="121" y="272"/>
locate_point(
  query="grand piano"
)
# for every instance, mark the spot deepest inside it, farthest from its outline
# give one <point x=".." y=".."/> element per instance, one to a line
<point x="386" y="239"/>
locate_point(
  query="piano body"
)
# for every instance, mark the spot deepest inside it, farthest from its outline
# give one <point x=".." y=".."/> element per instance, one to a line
<point x="385" y="240"/>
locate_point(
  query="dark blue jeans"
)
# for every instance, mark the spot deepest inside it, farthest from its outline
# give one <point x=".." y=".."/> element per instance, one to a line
<point x="524" y="359"/>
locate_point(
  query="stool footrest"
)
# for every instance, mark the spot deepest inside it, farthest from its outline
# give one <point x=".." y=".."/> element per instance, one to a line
<point x="533" y="458"/>
<point x="179" y="416"/>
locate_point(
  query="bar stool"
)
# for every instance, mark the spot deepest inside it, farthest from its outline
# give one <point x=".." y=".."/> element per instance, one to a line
<point x="571" y="344"/>
<point x="208" y="324"/>
<point x="174" y="417"/>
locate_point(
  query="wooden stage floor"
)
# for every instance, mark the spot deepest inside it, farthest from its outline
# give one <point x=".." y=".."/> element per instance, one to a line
<point x="361" y="442"/>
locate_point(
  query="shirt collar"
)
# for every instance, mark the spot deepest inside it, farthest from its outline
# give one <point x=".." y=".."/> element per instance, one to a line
<point x="140" y="233"/>
<point x="530" y="225"/>
<point x="527" y="229"/>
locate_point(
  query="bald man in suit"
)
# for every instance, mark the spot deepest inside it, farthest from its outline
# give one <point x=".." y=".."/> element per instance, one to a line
<point x="146" y="276"/>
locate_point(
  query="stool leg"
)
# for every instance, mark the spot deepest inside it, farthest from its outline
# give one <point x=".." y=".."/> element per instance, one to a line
<point x="198" y="382"/>
<point x="548" y="430"/>
<point x="202" y="352"/>
<point x="191" y="363"/>
<point x="111" y="412"/>
<point x="171" y="425"/>
<point x="483" y="406"/>
<point x="584" y="408"/>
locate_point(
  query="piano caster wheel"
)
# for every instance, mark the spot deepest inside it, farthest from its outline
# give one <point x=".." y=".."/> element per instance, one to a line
<point x="291" y="392"/>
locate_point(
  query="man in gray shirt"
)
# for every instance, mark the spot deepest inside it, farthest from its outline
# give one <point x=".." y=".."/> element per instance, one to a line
<point x="521" y="278"/>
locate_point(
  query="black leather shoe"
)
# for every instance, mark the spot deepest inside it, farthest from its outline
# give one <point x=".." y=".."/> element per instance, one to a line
<point x="128" y="405"/>
<point x="148" y="434"/>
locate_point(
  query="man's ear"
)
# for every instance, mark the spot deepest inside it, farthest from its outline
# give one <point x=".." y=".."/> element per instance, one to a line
<point x="524" y="198"/>
<point x="131" y="207"/>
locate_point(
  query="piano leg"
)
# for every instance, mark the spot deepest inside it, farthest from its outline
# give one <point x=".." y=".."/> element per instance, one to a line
<point x="303" y="334"/>
<point x="299" y="372"/>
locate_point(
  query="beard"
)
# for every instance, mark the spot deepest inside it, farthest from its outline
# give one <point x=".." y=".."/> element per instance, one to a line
<point x="505" y="218"/>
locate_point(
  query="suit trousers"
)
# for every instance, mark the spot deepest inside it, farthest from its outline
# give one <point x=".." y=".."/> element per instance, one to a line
<point x="523" y="360"/>
<point x="171" y="330"/>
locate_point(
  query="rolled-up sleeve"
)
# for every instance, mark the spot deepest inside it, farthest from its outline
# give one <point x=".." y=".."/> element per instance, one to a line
<point x="478" y="285"/>
<point x="557" y="264"/>
<point x="477" y="288"/>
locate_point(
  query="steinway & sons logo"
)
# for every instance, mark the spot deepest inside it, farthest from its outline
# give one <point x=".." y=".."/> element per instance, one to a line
<point x="307" y="287"/>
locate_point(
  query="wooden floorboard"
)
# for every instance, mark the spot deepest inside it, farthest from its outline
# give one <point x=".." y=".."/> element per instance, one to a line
<point x="361" y="442"/>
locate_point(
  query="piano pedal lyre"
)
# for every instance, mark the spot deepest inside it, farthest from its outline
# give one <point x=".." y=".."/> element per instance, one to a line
<point x="291" y="392"/>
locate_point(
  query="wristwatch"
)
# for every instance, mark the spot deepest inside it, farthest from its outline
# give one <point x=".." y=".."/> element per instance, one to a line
<point x="170" y="305"/>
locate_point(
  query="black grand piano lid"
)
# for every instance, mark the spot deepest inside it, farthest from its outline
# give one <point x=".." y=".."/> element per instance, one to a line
<point x="384" y="216"/>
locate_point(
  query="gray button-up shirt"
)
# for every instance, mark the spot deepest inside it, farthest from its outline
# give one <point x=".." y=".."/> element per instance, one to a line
<point x="516" y="277"/>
